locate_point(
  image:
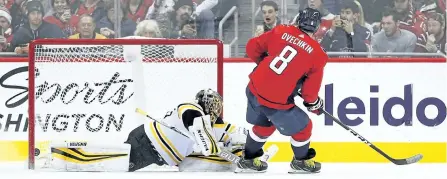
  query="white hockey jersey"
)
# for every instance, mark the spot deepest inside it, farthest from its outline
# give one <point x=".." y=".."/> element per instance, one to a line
<point x="174" y="147"/>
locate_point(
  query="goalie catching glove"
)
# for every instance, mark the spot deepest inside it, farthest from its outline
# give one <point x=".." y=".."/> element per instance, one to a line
<point x="204" y="135"/>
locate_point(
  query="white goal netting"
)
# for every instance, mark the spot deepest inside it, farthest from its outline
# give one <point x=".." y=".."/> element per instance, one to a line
<point x="88" y="90"/>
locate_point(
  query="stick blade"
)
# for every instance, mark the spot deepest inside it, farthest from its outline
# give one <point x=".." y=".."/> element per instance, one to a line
<point x="140" y="111"/>
<point x="407" y="161"/>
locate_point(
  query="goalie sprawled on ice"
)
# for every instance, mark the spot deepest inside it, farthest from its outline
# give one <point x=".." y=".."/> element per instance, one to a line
<point x="152" y="145"/>
<point x="157" y="144"/>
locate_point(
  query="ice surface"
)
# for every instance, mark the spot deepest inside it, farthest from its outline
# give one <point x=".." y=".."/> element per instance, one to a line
<point x="278" y="170"/>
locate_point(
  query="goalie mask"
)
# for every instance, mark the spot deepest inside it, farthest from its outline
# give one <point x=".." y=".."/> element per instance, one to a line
<point x="211" y="102"/>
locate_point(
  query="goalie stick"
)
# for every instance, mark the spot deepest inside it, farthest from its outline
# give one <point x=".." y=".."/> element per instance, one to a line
<point x="227" y="155"/>
<point x="405" y="161"/>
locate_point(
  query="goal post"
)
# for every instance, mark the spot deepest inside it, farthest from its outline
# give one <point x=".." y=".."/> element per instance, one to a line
<point x="88" y="90"/>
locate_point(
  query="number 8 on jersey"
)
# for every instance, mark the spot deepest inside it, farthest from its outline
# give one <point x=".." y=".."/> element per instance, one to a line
<point x="284" y="60"/>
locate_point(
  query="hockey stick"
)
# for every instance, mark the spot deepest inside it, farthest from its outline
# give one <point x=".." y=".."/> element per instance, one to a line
<point x="225" y="154"/>
<point x="404" y="161"/>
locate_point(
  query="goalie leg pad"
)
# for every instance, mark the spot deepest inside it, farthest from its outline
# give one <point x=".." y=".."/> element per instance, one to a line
<point x="142" y="152"/>
<point x="85" y="157"/>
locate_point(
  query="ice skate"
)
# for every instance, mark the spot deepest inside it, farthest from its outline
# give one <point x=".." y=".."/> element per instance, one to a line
<point x="306" y="164"/>
<point x="251" y="166"/>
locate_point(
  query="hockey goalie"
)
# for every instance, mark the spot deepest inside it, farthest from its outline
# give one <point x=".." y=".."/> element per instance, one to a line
<point x="157" y="144"/>
<point x="155" y="147"/>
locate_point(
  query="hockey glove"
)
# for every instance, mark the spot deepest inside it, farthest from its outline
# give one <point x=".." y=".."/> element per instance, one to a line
<point x="238" y="136"/>
<point x="315" y="107"/>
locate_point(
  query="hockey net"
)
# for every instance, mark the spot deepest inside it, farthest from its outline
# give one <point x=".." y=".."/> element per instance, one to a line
<point x="88" y="90"/>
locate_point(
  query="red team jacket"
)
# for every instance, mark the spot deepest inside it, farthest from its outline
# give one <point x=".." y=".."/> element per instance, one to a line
<point x="415" y="22"/>
<point x="292" y="56"/>
<point x="326" y="24"/>
<point x="140" y="14"/>
<point x="68" y="28"/>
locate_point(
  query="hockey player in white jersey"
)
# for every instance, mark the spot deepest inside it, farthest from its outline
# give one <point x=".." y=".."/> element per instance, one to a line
<point x="152" y="143"/>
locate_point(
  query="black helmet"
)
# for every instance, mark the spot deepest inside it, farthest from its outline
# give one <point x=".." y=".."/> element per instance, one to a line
<point x="211" y="103"/>
<point x="309" y="20"/>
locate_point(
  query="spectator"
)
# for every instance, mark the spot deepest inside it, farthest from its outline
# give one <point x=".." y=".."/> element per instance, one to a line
<point x="94" y="8"/>
<point x="137" y="9"/>
<point x="182" y="22"/>
<point x="5" y="30"/>
<point x="35" y="28"/>
<point x="373" y="10"/>
<point x="46" y="5"/>
<point x="3" y="3"/>
<point x="361" y="19"/>
<point x="433" y="6"/>
<point x="86" y="28"/>
<point x="62" y="17"/>
<point x="436" y="33"/>
<point x="270" y="17"/>
<point x="106" y="25"/>
<point x="167" y="6"/>
<point x="149" y="29"/>
<point x="346" y="35"/>
<point x="326" y="20"/>
<point x="392" y="38"/>
<point x="204" y="6"/>
<point x="18" y="14"/>
<point x="412" y="21"/>
<point x="9" y="3"/>
<point x="333" y="6"/>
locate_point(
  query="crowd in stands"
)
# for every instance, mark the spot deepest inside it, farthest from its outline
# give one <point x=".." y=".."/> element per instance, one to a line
<point x="373" y="25"/>
<point x="22" y="21"/>
<point x="347" y="25"/>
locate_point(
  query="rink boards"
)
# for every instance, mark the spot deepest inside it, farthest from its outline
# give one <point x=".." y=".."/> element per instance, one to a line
<point x="399" y="105"/>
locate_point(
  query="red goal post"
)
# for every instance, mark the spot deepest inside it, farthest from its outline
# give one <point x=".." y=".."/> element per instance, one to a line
<point x="83" y="90"/>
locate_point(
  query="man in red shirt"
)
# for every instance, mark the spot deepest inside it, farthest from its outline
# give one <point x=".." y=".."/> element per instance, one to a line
<point x="413" y="21"/>
<point x="327" y="18"/>
<point x="288" y="58"/>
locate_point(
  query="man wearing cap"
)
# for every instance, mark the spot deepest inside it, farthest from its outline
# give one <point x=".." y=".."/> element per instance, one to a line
<point x="183" y="22"/>
<point x="34" y="28"/>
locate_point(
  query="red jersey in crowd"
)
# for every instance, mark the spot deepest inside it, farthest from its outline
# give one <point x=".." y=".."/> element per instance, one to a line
<point x="68" y="28"/>
<point x="415" y="22"/>
<point x="141" y="11"/>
